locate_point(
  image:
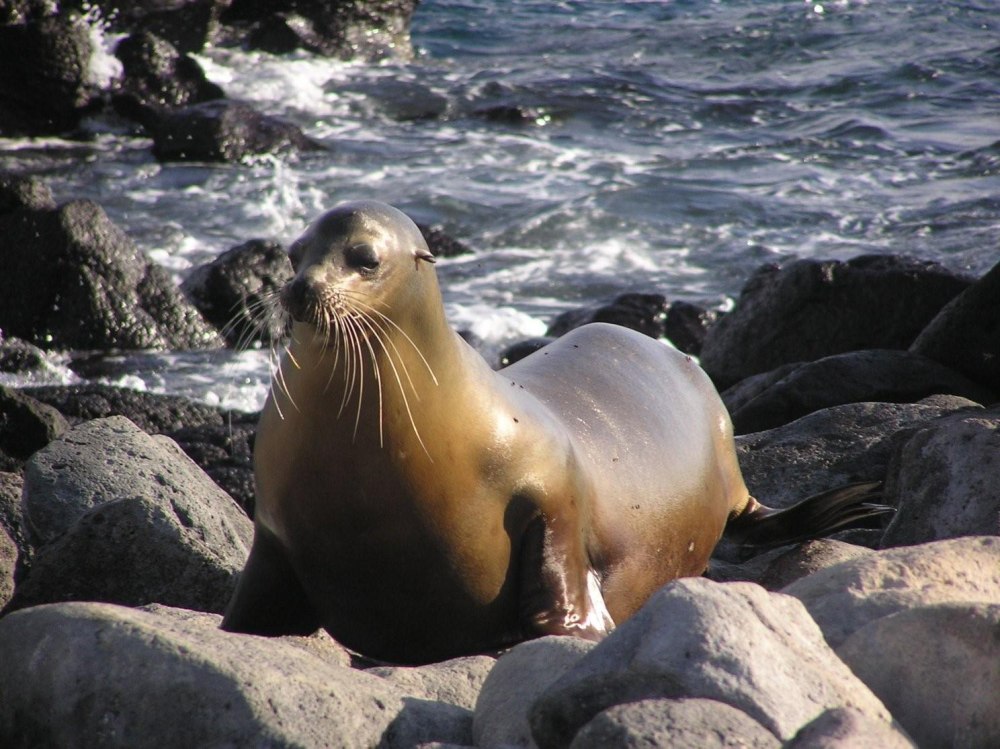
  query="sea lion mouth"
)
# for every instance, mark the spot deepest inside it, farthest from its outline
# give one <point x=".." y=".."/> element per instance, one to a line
<point x="313" y="303"/>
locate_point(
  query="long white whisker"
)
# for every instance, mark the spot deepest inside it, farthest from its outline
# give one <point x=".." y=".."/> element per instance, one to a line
<point x="357" y="299"/>
<point x="402" y="391"/>
<point x="361" y="320"/>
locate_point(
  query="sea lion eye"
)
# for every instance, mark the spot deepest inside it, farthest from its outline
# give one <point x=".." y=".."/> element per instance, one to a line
<point x="362" y="257"/>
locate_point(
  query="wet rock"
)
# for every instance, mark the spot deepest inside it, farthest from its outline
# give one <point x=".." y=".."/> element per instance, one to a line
<point x="405" y="101"/>
<point x="881" y="375"/>
<point x="521" y="349"/>
<point x="363" y="29"/>
<point x="519" y="677"/>
<point x="457" y="681"/>
<point x="237" y="292"/>
<point x="688" y="324"/>
<point x="831" y="448"/>
<point x="809" y="309"/>
<point x="188" y="25"/>
<point x="27" y="425"/>
<point x="44" y="86"/>
<point x="157" y="77"/>
<point x="847" y="596"/>
<point x="844" y="728"/>
<point x="510" y="114"/>
<point x="736" y="643"/>
<point x="965" y="335"/>
<point x="154" y="413"/>
<point x="20" y="357"/>
<point x="120" y="516"/>
<point x="943" y="478"/>
<point x="100" y="675"/>
<point x="935" y="668"/>
<point x="441" y="244"/>
<point x="678" y="724"/>
<point x="19" y="191"/>
<point x="646" y="313"/>
<point x="223" y="130"/>
<point x="682" y="323"/>
<point x="74" y="280"/>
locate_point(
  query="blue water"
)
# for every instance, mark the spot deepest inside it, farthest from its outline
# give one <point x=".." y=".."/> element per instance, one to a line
<point x="670" y="146"/>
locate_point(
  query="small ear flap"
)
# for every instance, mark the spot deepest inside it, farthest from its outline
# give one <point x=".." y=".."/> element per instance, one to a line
<point x="426" y="255"/>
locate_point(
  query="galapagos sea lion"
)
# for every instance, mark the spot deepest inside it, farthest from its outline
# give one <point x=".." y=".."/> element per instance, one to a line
<point x="419" y="505"/>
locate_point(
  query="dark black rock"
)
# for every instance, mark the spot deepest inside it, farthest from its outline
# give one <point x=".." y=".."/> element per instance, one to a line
<point x="19" y="356"/>
<point x="157" y="77"/>
<point x="646" y="313"/>
<point x="27" y="425"/>
<point x="187" y="24"/>
<point x="74" y="280"/>
<point x="222" y="131"/>
<point x="43" y="74"/>
<point x="348" y="29"/>
<point x="14" y="12"/>
<point x="809" y="309"/>
<point x="237" y="291"/>
<point x="687" y="325"/>
<point x="21" y="191"/>
<point x="517" y="351"/>
<point x="509" y="114"/>
<point x="152" y="412"/>
<point x="406" y="101"/>
<point x="442" y="244"/>
<point x="965" y="335"/>
<point x="875" y="375"/>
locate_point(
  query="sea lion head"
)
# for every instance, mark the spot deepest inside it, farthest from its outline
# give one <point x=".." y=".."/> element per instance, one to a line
<point x="355" y="260"/>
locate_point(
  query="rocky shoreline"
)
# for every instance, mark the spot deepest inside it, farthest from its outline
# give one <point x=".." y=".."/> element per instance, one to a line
<point x="125" y="521"/>
<point x="125" y="516"/>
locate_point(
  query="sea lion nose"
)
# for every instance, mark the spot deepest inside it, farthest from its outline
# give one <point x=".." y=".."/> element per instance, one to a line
<point x="295" y="298"/>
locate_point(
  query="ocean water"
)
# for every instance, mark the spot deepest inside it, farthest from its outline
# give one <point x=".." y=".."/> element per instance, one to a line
<point x="665" y="146"/>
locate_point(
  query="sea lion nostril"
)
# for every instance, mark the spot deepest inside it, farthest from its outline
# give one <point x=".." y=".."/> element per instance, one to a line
<point x="295" y="298"/>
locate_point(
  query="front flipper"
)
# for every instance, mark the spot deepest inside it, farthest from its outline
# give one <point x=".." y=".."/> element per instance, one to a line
<point x="560" y="593"/>
<point x="269" y="600"/>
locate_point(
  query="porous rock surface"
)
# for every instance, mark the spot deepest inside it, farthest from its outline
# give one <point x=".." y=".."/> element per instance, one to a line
<point x="736" y="643"/>
<point x="118" y="515"/>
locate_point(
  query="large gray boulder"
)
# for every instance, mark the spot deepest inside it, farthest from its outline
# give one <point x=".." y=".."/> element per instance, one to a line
<point x="736" y="643"/>
<point x="844" y="728"/>
<point x="456" y="681"/>
<point x="944" y="480"/>
<point x="678" y="724"/>
<point x="89" y="674"/>
<point x="937" y="669"/>
<point x="831" y="448"/>
<point x="847" y="596"/>
<point x="519" y="677"/>
<point x="121" y="516"/>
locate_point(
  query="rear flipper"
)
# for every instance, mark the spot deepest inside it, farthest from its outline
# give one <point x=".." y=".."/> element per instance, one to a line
<point x="759" y="528"/>
<point x="269" y="600"/>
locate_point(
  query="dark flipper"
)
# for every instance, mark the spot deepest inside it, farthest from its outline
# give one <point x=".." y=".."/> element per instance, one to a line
<point x="761" y="527"/>
<point x="269" y="599"/>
